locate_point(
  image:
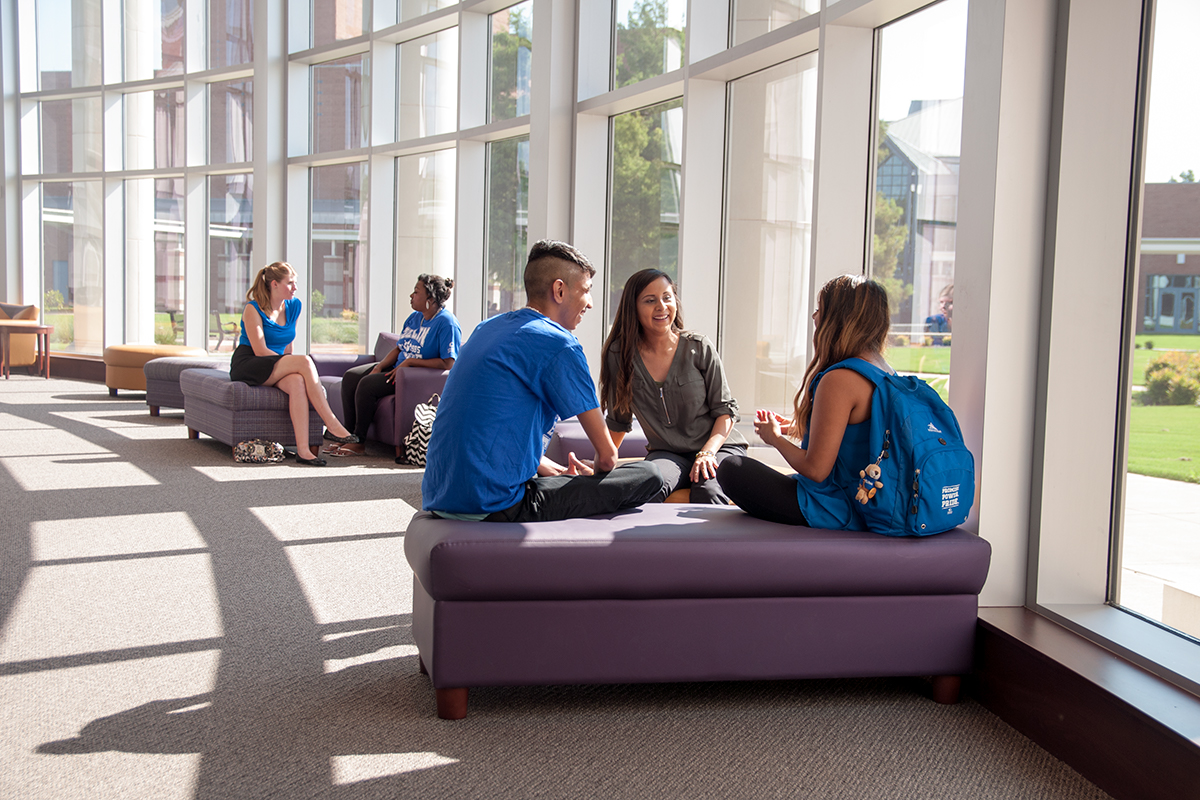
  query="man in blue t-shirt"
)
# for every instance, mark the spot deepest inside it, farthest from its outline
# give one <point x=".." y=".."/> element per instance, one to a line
<point x="515" y="377"/>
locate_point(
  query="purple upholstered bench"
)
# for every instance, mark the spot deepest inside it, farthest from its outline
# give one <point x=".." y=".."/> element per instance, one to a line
<point x="669" y="593"/>
<point x="231" y="411"/>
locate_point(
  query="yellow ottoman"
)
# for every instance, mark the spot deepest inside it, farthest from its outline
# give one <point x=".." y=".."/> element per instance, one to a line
<point x="123" y="363"/>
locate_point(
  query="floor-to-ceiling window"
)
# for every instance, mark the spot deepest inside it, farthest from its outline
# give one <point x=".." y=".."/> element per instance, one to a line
<point x="1157" y="566"/>
<point x="768" y="231"/>
<point x="916" y="165"/>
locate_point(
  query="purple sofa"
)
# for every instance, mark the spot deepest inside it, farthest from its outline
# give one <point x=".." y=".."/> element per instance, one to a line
<point x="394" y="415"/>
<point x="686" y="593"/>
<point x="570" y="438"/>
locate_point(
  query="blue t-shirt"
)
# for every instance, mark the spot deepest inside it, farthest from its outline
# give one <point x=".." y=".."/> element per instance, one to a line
<point x="278" y="337"/>
<point x="438" y="337"/>
<point x="514" y="377"/>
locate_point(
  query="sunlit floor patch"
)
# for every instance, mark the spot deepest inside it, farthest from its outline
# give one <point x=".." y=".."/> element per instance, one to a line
<point x="356" y="768"/>
<point x="354" y="648"/>
<point x="289" y="470"/>
<point x="12" y="422"/>
<point x="95" y="537"/>
<point x="297" y="522"/>
<point x="38" y="473"/>
<point x="135" y="424"/>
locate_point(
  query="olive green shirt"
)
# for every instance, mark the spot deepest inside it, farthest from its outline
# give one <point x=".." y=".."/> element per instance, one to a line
<point x="678" y="417"/>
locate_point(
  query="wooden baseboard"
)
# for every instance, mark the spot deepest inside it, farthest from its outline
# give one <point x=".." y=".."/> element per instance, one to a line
<point x="1129" y="732"/>
<point x="77" y="368"/>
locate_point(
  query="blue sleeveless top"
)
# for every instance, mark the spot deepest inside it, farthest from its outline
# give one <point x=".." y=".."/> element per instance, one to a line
<point x="278" y="337"/>
<point x="830" y="503"/>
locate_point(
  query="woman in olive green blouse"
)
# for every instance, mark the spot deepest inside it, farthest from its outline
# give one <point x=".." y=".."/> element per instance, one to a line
<point x="673" y="381"/>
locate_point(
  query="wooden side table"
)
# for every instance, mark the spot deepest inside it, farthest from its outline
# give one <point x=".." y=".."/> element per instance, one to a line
<point x="11" y="326"/>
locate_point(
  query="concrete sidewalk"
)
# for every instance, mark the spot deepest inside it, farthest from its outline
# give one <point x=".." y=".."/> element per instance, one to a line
<point x="1161" y="550"/>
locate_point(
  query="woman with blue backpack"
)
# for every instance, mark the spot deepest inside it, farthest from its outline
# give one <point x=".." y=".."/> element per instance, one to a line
<point x="876" y="451"/>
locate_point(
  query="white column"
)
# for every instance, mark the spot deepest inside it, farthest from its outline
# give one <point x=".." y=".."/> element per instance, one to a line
<point x="998" y="270"/>
<point x="552" y="116"/>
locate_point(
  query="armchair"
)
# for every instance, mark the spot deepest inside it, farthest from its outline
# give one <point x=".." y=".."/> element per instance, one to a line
<point x="22" y="350"/>
<point x="395" y="414"/>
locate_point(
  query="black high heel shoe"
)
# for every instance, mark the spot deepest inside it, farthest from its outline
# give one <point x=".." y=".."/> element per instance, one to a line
<point x="329" y="437"/>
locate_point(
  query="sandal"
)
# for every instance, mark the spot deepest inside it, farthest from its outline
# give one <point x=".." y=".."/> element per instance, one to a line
<point x="339" y="451"/>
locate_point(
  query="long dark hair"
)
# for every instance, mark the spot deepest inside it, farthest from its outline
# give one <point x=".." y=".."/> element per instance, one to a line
<point x="625" y="334"/>
<point x="854" y="319"/>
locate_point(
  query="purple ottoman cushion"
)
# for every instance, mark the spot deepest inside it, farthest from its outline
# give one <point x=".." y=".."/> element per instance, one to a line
<point x="570" y="438"/>
<point x="680" y="551"/>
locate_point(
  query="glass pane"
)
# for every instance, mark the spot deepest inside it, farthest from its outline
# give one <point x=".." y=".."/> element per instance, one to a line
<point x="231" y="122"/>
<point x="231" y="33"/>
<point x="916" y="183"/>
<point x="644" y="229"/>
<point x="153" y="38"/>
<point x="768" y="232"/>
<point x="410" y="9"/>
<point x="428" y="78"/>
<point x="72" y="135"/>
<point x="230" y="233"/>
<point x="154" y="238"/>
<point x="73" y="265"/>
<point x="341" y="104"/>
<point x="334" y="20"/>
<point x="1159" y="569"/>
<point x="756" y="17"/>
<point x="71" y="57"/>
<point x="507" y="224"/>
<point x="154" y="129"/>
<point x="425" y="215"/>
<point x="512" y="52"/>
<point x="338" y="246"/>
<point x="649" y="37"/>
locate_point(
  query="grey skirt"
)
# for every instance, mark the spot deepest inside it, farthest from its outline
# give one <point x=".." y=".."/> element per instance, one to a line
<point x="249" y="368"/>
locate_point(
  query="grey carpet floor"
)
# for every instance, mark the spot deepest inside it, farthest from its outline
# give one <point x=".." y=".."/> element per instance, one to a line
<point x="175" y="625"/>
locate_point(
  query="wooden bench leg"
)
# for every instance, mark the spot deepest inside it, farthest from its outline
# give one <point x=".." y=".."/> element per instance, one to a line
<point x="154" y="411"/>
<point x="193" y="433"/>
<point x="112" y="392"/>
<point x="451" y="703"/>
<point x="946" y="688"/>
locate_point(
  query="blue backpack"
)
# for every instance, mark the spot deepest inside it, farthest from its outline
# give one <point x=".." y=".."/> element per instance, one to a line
<point x="922" y="480"/>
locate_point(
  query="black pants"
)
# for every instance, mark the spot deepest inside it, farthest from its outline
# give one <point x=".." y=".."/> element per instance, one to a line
<point x="571" y="496"/>
<point x="677" y="473"/>
<point x="760" y="490"/>
<point x="361" y="393"/>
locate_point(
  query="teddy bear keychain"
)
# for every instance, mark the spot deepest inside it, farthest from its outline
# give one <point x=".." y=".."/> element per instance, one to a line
<point x="868" y="484"/>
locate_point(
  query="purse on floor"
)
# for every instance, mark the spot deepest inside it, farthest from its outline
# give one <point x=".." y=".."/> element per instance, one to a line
<point x="416" y="443"/>
<point x="258" y="451"/>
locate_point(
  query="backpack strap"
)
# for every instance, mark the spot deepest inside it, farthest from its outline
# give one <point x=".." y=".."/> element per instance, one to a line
<point x="865" y="368"/>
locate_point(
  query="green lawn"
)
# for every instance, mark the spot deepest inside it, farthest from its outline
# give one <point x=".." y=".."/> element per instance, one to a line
<point x="1164" y="442"/>
<point x="926" y="360"/>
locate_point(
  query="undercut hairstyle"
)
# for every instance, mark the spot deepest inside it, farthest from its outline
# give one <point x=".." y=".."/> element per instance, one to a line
<point x="550" y="261"/>
<point x="437" y="288"/>
<point x="625" y="335"/>
<point x="260" y="289"/>
<point x="854" y="319"/>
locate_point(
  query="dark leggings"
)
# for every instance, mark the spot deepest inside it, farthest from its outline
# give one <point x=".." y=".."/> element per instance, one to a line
<point x="760" y="490"/>
<point x="361" y="393"/>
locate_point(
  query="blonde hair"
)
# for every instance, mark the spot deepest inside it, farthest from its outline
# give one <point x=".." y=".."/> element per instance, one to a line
<point x="854" y="319"/>
<point x="260" y="290"/>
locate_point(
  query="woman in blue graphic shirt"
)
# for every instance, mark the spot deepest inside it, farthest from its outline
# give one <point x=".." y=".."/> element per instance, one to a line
<point x="429" y="339"/>
<point x="264" y="356"/>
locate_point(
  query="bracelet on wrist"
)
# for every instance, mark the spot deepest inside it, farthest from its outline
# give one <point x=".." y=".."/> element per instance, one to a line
<point x="704" y="453"/>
